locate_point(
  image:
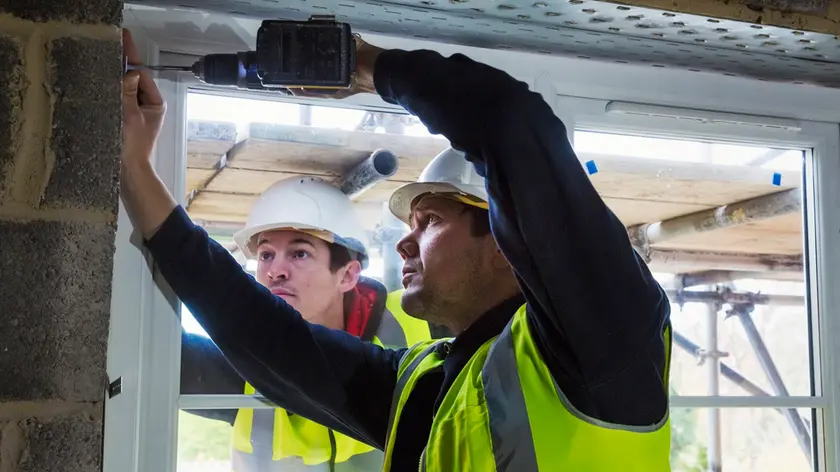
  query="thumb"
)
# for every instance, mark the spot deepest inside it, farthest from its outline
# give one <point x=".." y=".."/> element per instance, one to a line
<point x="131" y="82"/>
<point x="129" y="97"/>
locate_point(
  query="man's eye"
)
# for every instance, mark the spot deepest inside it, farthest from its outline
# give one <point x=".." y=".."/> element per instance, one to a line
<point x="266" y="255"/>
<point x="300" y="254"/>
<point x="432" y="219"/>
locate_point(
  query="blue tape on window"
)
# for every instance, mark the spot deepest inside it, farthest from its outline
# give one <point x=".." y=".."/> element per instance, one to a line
<point x="777" y="179"/>
<point x="591" y="167"/>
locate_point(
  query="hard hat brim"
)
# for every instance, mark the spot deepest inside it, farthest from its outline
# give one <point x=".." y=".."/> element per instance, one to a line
<point x="243" y="237"/>
<point x="402" y="199"/>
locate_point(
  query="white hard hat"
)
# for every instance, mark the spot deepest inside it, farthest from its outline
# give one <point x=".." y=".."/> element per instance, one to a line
<point x="448" y="174"/>
<point x="309" y="205"/>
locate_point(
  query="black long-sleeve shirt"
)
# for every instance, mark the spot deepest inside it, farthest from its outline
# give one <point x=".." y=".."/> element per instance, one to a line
<point x="597" y="313"/>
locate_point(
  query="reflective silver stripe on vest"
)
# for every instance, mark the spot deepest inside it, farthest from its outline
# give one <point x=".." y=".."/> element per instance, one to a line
<point x="395" y="401"/>
<point x="390" y="332"/>
<point x="262" y="432"/>
<point x="510" y="430"/>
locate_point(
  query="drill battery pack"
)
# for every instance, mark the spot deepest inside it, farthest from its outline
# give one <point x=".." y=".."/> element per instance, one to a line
<point x="315" y="54"/>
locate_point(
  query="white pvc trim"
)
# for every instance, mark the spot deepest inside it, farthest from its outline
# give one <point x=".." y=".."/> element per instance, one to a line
<point x="132" y="305"/>
<point x="822" y="201"/>
<point x="212" y="402"/>
<point x="701" y="116"/>
<point x="593" y="115"/>
<point x="145" y="341"/>
<point x="162" y="332"/>
<point x="747" y="401"/>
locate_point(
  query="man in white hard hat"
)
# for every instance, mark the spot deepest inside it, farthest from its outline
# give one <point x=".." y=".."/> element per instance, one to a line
<point x="561" y="356"/>
<point x="304" y="234"/>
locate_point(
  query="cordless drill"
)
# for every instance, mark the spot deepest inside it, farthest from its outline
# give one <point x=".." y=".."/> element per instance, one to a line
<point x="318" y="55"/>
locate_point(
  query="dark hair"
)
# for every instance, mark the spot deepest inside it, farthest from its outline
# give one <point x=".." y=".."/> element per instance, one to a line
<point x="480" y="224"/>
<point x="339" y="256"/>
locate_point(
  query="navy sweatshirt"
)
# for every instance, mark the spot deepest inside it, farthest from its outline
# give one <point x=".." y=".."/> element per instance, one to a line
<point x="597" y="313"/>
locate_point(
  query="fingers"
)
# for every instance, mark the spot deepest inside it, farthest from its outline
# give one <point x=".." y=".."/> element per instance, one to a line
<point x="129" y="96"/>
<point x="129" y="48"/>
<point x="147" y="90"/>
<point x="131" y="83"/>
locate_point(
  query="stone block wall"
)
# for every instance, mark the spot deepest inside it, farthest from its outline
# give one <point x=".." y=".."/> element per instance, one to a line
<point x="60" y="125"/>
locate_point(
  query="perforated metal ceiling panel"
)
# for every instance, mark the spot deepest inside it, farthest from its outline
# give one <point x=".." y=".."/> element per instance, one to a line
<point x="576" y="28"/>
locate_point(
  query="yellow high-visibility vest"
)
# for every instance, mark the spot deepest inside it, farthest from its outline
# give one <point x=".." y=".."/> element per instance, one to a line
<point x="505" y="412"/>
<point x="269" y="440"/>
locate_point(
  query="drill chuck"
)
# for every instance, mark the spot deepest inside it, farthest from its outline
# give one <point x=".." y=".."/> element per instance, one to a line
<point x="219" y="69"/>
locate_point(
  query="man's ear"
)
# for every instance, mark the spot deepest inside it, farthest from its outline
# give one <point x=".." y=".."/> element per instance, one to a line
<point x="349" y="274"/>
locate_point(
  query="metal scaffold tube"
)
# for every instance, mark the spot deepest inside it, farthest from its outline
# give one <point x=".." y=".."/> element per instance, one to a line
<point x="712" y="277"/>
<point x="727" y="372"/>
<point x="663" y="260"/>
<point x="711" y="356"/>
<point x="733" y="214"/>
<point x="727" y="296"/>
<point x="801" y="432"/>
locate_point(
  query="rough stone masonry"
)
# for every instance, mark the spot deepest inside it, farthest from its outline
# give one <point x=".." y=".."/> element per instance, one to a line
<point x="60" y="127"/>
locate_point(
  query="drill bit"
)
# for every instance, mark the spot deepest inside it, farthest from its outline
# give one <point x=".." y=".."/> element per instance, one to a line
<point x="129" y="67"/>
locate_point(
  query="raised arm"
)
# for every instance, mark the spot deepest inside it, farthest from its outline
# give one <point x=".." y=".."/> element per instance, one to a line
<point x="204" y="370"/>
<point x="597" y="313"/>
<point x="328" y="376"/>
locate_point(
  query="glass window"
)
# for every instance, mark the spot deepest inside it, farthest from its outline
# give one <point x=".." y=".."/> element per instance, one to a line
<point x="741" y="440"/>
<point x="721" y="226"/>
<point x="736" y="284"/>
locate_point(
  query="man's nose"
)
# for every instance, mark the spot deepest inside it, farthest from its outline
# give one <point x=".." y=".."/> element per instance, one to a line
<point x="407" y="246"/>
<point x="279" y="269"/>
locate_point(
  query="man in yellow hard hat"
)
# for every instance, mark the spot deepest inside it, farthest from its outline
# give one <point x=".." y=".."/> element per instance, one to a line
<point x="305" y="236"/>
<point x="561" y="352"/>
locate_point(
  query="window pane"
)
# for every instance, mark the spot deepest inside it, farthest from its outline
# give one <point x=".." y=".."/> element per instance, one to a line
<point x="668" y="191"/>
<point x="203" y="444"/>
<point x="783" y="330"/>
<point x="746" y="369"/>
<point x="688" y="377"/>
<point x="643" y="147"/>
<point x="751" y="440"/>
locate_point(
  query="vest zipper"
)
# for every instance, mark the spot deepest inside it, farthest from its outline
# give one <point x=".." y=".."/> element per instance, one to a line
<point x="333" y="451"/>
<point x="422" y="465"/>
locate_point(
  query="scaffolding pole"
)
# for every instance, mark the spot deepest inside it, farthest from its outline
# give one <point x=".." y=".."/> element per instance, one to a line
<point x="725" y="295"/>
<point x="801" y="432"/>
<point x="727" y="372"/>
<point x="714" y="277"/>
<point x="711" y="356"/>
<point x="663" y="260"/>
<point x="733" y="214"/>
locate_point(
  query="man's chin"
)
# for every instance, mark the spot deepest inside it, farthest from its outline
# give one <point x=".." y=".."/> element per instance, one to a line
<point x="411" y="302"/>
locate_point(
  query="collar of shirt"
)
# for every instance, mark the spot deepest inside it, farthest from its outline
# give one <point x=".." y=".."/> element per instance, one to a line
<point x="459" y="351"/>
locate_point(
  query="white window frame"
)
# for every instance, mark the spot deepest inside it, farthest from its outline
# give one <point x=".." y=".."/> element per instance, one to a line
<point x="144" y="346"/>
